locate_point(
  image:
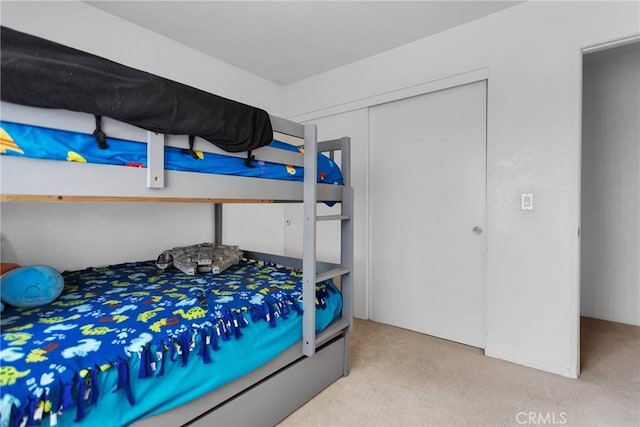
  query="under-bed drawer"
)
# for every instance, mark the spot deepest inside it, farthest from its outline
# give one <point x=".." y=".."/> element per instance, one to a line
<point x="272" y="400"/>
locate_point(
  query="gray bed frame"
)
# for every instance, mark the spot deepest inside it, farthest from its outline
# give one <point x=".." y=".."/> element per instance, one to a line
<point x="278" y="388"/>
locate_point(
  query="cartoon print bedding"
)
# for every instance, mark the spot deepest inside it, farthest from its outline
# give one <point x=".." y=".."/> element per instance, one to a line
<point x="23" y="140"/>
<point x="121" y="338"/>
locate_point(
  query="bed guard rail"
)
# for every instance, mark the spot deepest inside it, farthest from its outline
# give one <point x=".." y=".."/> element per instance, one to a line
<point x="103" y="187"/>
<point x="84" y="123"/>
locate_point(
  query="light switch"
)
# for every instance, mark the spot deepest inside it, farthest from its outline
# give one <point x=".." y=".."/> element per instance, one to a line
<point x="526" y="200"/>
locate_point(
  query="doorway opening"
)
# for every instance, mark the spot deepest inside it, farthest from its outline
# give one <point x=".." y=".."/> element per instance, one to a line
<point x="610" y="206"/>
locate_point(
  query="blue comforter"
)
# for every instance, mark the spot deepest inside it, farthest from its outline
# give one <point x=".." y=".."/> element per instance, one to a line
<point x="116" y="331"/>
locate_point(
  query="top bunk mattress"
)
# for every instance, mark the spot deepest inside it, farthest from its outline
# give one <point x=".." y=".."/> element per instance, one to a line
<point x="23" y="140"/>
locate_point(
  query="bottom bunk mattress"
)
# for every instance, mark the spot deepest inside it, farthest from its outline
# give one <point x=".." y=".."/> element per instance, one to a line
<point x="17" y="139"/>
<point x="128" y="341"/>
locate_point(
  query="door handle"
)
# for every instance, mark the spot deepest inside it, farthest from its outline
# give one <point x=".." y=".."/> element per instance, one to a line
<point x="477" y="230"/>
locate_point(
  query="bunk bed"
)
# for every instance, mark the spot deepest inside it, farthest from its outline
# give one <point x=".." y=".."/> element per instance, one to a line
<point x="313" y="351"/>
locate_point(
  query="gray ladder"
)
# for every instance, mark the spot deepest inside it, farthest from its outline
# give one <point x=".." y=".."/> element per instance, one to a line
<point x="311" y="275"/>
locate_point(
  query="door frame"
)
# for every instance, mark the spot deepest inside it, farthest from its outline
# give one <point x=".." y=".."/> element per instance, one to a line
<point x="574" y="297"/>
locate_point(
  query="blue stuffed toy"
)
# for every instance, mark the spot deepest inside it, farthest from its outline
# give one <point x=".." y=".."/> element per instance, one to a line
<point x="31" y="286"/>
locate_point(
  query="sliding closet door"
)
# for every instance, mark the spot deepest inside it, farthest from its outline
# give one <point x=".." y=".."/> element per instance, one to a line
<point x="427" y="178"/>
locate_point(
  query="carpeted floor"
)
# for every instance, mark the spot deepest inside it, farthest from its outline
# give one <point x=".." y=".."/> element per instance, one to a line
<point x="403" y="378"/>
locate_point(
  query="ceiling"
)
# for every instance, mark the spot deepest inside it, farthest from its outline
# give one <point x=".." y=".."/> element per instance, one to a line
<point x="286" y="41"/>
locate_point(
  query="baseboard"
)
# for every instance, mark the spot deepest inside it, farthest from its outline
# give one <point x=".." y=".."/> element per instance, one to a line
<point x="530" y="363"/>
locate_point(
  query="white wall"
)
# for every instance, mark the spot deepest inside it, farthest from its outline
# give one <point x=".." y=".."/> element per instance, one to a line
<point x="532" y="55"/>
<point x="611" y="185"/>
<point x="33" y="233"/>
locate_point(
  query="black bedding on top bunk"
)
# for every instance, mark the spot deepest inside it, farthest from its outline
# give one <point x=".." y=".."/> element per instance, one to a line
<point x="40" y="73"/>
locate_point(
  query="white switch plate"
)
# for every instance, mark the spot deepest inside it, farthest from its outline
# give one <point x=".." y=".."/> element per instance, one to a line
<point x="526" y="201"/>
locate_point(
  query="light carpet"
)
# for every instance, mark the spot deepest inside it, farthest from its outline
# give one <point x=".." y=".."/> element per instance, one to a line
<point x="403" y="378"/>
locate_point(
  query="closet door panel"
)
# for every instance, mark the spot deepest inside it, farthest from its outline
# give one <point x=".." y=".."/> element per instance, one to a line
<point x="427" y="180"/>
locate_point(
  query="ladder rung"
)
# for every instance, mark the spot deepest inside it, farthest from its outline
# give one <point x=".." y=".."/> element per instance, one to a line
<point x="330" y="274"/>
<point x="332" y="217"/>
